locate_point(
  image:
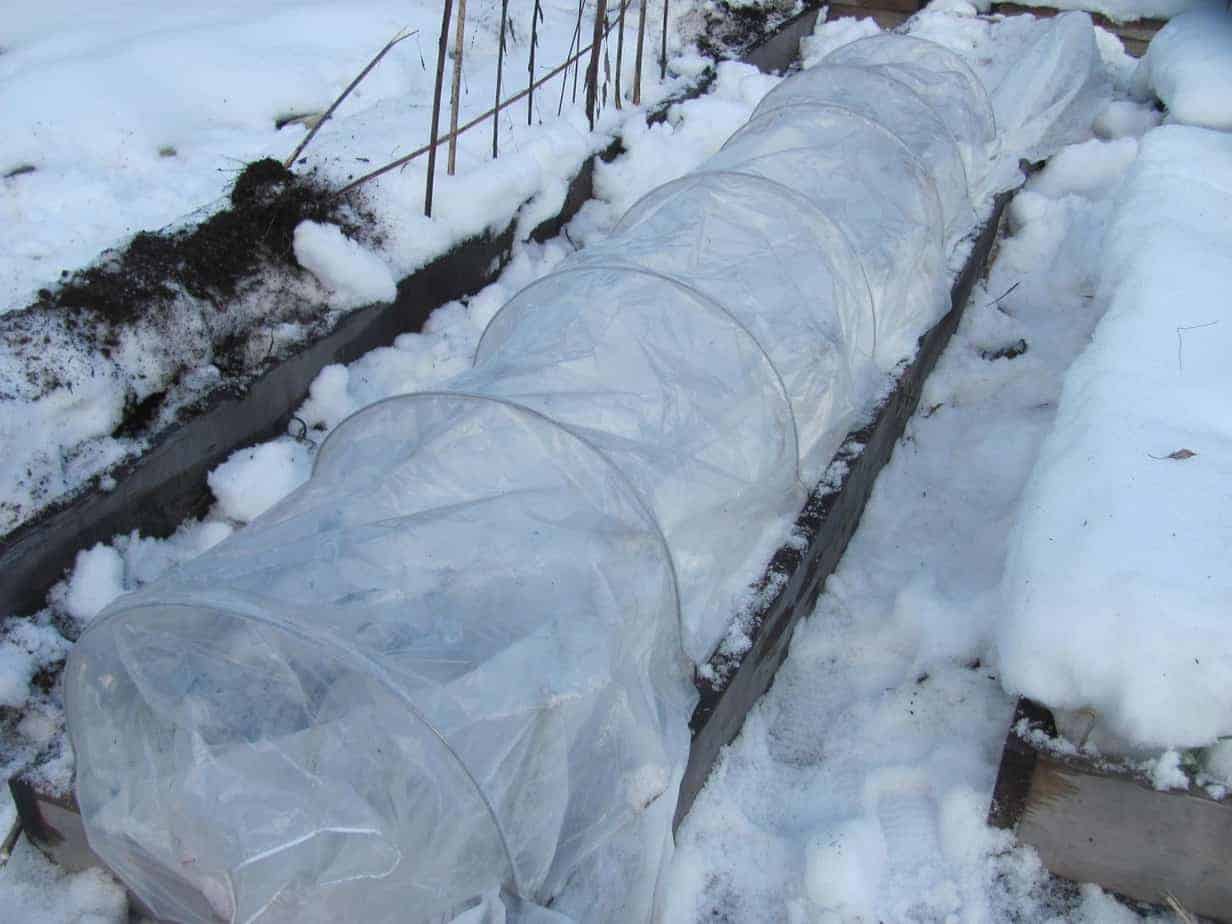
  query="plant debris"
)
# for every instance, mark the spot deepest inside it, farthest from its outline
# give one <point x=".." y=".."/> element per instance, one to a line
<point x="1013" y="351"/>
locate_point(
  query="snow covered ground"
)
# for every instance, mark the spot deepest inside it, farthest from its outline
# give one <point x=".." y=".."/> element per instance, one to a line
<point x="109" y="134"/>
<point x="859" y="787"/>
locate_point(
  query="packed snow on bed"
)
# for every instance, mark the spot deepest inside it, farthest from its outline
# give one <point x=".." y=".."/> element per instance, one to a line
<point x="1117" y="581"/>
<point x="1188" y="65"/>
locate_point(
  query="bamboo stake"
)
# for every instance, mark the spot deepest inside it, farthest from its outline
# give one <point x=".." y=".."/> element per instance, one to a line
<point x="463" y="129"/>
<point x="441" y="50"/>
<point x="455" y="97"/>
<point x="637" y="61"/>
<point x="535" y="18"/>
<point x="299" y="148"/>
<point x="620" y="47"/>
<point x="663" y="47"/>
<point x="577" y="30"/>
<point x="577" y="37"/>
<point x="592" y="70"/>
<point x="500" y="63"/>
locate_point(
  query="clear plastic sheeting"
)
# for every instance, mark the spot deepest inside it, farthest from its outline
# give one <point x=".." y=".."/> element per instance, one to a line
<point x="780" y="268"/>
<point x="450" y="662"/>
<point x="676" y="392"/>
<point x="871" y="185"/>
<point x="449" y="677"/>
<point x="941" y="78"/>
<point x="876" y="94"/>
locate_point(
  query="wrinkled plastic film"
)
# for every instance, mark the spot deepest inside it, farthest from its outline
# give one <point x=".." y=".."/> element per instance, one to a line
<point x="779" y="267"/>
<point x="675" y="391"/>
<point x="431" y="582"/>
<point x="876" y="94"/>
<point x="944" y="80"/>
<point x="871" y="185"/>
<point x="450" y="674"/>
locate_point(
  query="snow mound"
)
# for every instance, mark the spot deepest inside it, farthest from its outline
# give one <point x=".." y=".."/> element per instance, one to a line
<point x="254" y="479"/>
<point x="1117" y="581"/>
<point x="355" y="275"/>
<point x="1188" y="65"/>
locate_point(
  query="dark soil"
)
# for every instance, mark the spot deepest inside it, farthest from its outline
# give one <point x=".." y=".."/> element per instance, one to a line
<point x="1013" y="351"/>
<point x="212" y="260"/>
<point x="731" y="30"/>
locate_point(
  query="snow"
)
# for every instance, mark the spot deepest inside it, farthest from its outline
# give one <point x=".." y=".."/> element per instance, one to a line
<point x="108" y="134"/>
<point x="859" y="787"/>
<point x="16" y="670"/>
<point x="1188" y="65"/>
<point x="125" y="137"/>
<point x="355" y="275"/>
<point x="36" y="891"/>
<point x="1167" y="773"/>
<point x="1123" y="118"/>
<point x="860" y="784"/>
<point x="1117" y="582"/>
<point x="253" y="480"/>
<point x="97" y="579"/>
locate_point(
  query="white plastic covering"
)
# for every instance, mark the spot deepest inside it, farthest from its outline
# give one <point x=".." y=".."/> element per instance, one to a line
<point x="450" y="674"/>
<point x="874" y="188"/>
<point x="780" y="268"/>
<point x="430" y="667"/>
<point x="1051" y="97"/>
<point x="877" y="94"/>
<point x="942" y="79"/>
<point x="695" y="415"/>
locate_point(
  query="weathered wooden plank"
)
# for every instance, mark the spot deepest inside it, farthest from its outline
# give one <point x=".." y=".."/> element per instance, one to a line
<point x="1093" y="824"/>
<point x="1135" y="34"/>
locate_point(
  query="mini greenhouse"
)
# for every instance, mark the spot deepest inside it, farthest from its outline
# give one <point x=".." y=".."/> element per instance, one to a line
<point x="451" y="674"/>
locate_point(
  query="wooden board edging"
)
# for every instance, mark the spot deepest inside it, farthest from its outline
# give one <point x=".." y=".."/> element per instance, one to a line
<point x="1090" y="822"/>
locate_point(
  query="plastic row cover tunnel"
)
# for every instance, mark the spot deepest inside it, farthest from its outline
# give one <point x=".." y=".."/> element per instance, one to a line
<point x="450" y="675"/>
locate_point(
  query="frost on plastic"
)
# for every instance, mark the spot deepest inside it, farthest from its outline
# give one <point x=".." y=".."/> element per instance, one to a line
<point x="450" y="674"/>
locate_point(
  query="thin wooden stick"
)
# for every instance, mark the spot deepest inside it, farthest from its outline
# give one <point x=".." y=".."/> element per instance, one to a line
<point x="299" y="148"/>
<point x="663" y="47"/>
<point x="592" y="70"/>
<point x="578" y="32"/>
<point x="10" y="840"/>
<point x="500" y="63"/>
<point x="462" y="130"/>
<point x="637" y="61"/>
<point x="535" y="18"/>
<point x="455" y="96"/>
<point x="577" y="37"/>
<point x="620" y="48"/>
<point x="441" y="50"/>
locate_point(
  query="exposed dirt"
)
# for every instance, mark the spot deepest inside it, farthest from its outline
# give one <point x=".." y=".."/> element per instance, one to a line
<point x="210" y="261"/>
<point x="730" y="29"/>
